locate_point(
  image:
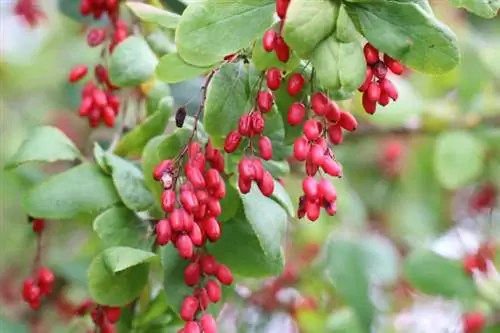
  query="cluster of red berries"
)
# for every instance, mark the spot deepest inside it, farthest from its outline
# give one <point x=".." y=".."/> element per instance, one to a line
<point x="191" y="221"/>
<point x="479" y="260"/>
<point x="30" y="11"/>
<point x="484" y="198"/>
<point x="99" y="101"/>
<point x="377" y="88"/>
<point x="104" y="317"/>
<point x="42" y="282"/>
<point x="274" y="41"/>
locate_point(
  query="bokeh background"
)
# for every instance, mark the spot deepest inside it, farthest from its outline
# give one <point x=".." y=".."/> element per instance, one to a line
<point x="394" y="193"/>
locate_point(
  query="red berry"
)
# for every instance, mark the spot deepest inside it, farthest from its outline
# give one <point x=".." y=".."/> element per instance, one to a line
<point x="331" y="208"/>
<point x="371" y="54"/>
<point x="213" y="179"/>
<point x="244" y="184"/>
<point x="224" y="275"/>
<point x="335" y="134"/>
<point x="245" y="125"/>
<point x="213" y="291"/>
<point x="202" y="296"/>
<point x="99" y="97"/>
<point x="211" y="228"/>
<point x="312" y="129"/>
<point x="108" y="116"/>
<point x="208" y="264"/>
<point x="38" y="225"/>
<point x="301" y="149"/>
<point x="194" y="175"/>
<point x="281" y="7"/>
<point x="312" y="210"/>
<point x="188" y="308"/>
<point x="395" y="66"/>
<point x="196" y="235"/>
<point x="162" y="168"/>
<point x="112" y="313"/>
<point x="380" y="69"/>
<point x="189" y="202"/>
<point x="266" y="184"/>
<point x="295" y="84"/>
<point x="77" y="73"/>
<point x="389" y="88"/>
<point x="191" y="327"/>
<point x="368" y="80"/>
<point x="264" y="101"/>
<point x="168" y="201"/>
<point x="265" y="148"/>
<point x="207" y="323"/>
<point x="258" y="122"/>
<point x="310" y="188"/>
<point x="384" y="99"/>
<point x="85" y="106"/>
<point x="184" y="246"/>
<point x="232" y="142"/>
<point x="331" y="167"/>
<point x="319" y="103"/>
<point x="96" y="36"/>
<point x="373" y="92"/>
<point x="333" y="112"/>
<point x="473" y="322"/>
<point x="46" y="279"/>
<point x="347" y="121"/>
<point x="31" y="292"/>
<point x="246" y="168"/>
<point x="327" y="191"/>
<point x="316" y="154"/>
<point x="296" y="113"/>
<point x="192" y="274"/>
<point x="369" y="105"/>
<point x="269" y="40"/>
<point x="163" y="232"/>
<point x="281" y="49"/>
<point x="273" y="78"/>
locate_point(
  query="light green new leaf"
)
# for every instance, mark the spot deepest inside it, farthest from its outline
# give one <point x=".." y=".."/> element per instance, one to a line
<point x="339" y="66"/>
<point x="206" y="32"/>
<point x="307" y="23"/>
<point x="484" y="8"/>
<point x="132" y="63"/>
<point x="345" y="29"/>
<point x="173" y="69"/>
<point x="132" y="143"/>
<point x="459" y="159"/>
<point x="120" y="258"/>
<point x="153" y="14"/>
<point x="116" y="289"/>
<point x="81" y="191"/>
<point x="44" y="144"/>
<point x="406" y="31"/>
<point x="119" y="226"/>
<point x="433" y="274"/>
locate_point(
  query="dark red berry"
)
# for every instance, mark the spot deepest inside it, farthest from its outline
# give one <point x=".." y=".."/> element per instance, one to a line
<point x="269" y="40"/>
<point x="77" y="73"/>
<point x="258" y="122"/>
<point x="395" y="66"/>
<point x="265" y="101"/>
<point x="232" y="142"/>
<point x="38" y="225"/>
<point x="335" y="134"/>
<point x="371" y="54"/>
<point x="282" y="50"/>
<point x="192" y="274"/>
<point x="281" y="7"/>
<point x="312" y="129"/>
<point x="112" y="313"/>
<point x="245" y="125"/>
<point x="213" y="291"/>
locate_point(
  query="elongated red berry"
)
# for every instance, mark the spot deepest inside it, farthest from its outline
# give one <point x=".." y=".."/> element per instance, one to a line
<point x="389" y="88"/>
<point x="208" y="264"/>
<point x="207" y="323"/>
<point x="265" y="148"/>
<point x="347" y="121"/>
<point x="192" y="327"/>
<point x="112" y="313"/>
<point x="232" y="142"/>
<point x="265" y="101"/>
<point x="380" y="69"/>
<point x="371" y="54"/>
<point x="333" y="112"/>
<point x="266" y="184"/>
<point x="282" y="50"/>
<point x="373" y="92"/>
<point x="368" y="79"/>
<point x="108" y="116"/>
<point x="369" y="105"/>
<point x="258" y="122"/>
<point x="224" y="275"/>
<point x="300" y="149"/>
<point x="273" y="78"/>
<point x="196" y="235"/>
<point x="296" y="113"/>
<point x="192" y="274"/>
<point x="211" y="228"/>
<point x="319" y="103"/>
<point x="184" y="246"/>
<point x="312" y="129"/>
<point x="395" y="66"/>
<point x="213" y="291"/>
<point x="245" y="125"/>
<point x="194" y="175"/>
<point x="168" y="201"/>
<point x="295" y="84"/>
<point x="38" y="225"/>
<point x="77" y="73"/>
<point x="331" y="167"/>
<point x="327" y="191"/>
<point x="96" y="36"/>
<point x="176" y="220"/>
<point x="473" y="322"/>
<point x="46" y="279"/>
<point x="384" y="99"/>
<point x="335" y="134"/>
<point x="316" y="153"/>
<point x="163" y="232"/>
<point x="310" y="188"/>
<point x="99" y="97"/>
<point x="312" y="210"/>
<point x="281" y="7"/>
<point x="31" y="292"/>
<point x="269" y="40"/>
<point x="188" y="308"/>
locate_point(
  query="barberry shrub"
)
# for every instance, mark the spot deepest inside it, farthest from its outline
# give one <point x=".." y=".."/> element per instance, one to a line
<point x="188" y="201"/>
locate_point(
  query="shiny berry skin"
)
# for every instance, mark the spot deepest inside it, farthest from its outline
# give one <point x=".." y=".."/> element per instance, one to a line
<point x="310" y="188"/>
<point x="389" y="88"/>
<point x="282" y="50"/>
<point x="384" y="99"/>
<point x="196" y="235"/>
<point x="295" y="84"/>
<point x="77" y="73"/>
<point x="348" y="122"/>
<point x="373" y="92"/>
<point x="281" y="7"/>
<point x="31" y="292"/>
<point x="188" y="308"/>
<point x="301" y="149"/>
<point x="296" y="113"/>
<point x="46" y="279"/>
<point x="244" y="184"/>
<point x="245" y="125"/>
<point x="232" y="142"/>
<point x="212" y="229"/>
<point x="96" y="36"/>
<point x="224" y="275"/>
<point x="333" y="112"/>
<point x="207" y="323"/>
<point x="473" y="322"/>
<point x="265" y="148"/>
<point x="312" y="210"/>
<point x="335" y="134"/>
<point x="371" y="54"/>
<point x="112" y="313"/>
<point x="395" y="66"/>
<point x="184" y="246"/>
<point x="266" y="184"/>
<point x="369" y="105"/>
<point x="273" y="78"/>
<point x="168" y="201"/>
<point x="258" y="122"/>
<point x="163" y="232"/>
<point x="327" y="191"/>
<point x="208" y="265"/>
<point x="194" y="175"/>
<point x="192" y="274"/>
<point x="319" y="103"/>
<point x="269" y="40"/>
<point x="213" y="291"/>
<point x="265" y="101"/>
<point x="331" y="167"/>
<point x="192" y="327"/>
<point x="108" y="116"/>
<point x="312" y="129"/>
<point x="38" y="225"/>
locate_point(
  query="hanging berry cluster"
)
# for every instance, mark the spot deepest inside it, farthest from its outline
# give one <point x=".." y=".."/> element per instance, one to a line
<point x="191" y="220"/>
<point x="99" y="100"/>
<point x="377" y="88"/>
<point x="103" y="317"/>
<point x="29" y="11"/>
<point x="42" y="281"/>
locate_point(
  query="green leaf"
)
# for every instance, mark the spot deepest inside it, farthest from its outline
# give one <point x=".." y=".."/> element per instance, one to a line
<point x="280" y="195"/>
<point x="275" y="130"/>
<point x="125" y="70"/>
<point x="150" y="159"/>
<point x="206" y="32"/>
<point x="308" y="23"/>
<point x="129" y="183"/>
<point x="44" y="144"/>
<point x="173" y="69"/>
<point x="227" y="99"/>
<point x="153" y="14"/>
<point x="99" y="154"/>
<point x="158" y="96"/>
<point x="264" y="60"/>
<point x="458" y="159"/>
<point x="132" y="143"/>
<point x="484" y="8"/>
<point x="347" y="269"/>
<point x="115" y="289"/>
<point x="119" y="226"/>
<point x="120" y="258"/>
<point x="77" y="192"/>
<point x="406" y="31"/>
<point x="339" y="66"/>
<point x="172" y="145"/>
<point x="277" y="168"/>
<point x="230" y="204"/>
<point x="382" y="259"/>
<point x="173" y="276"/>
<point x="254" y="236"/>
<point x="13" y="327"/>
<point x="345" y="30"/>
<point x="433" y="274"/>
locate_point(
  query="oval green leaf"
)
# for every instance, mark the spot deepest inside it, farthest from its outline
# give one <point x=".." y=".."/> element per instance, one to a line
<point x="155" y="15"/>
<point x="120" y="258"/>
<point x="484" y="8"/>
<point x="172" y="69"/>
